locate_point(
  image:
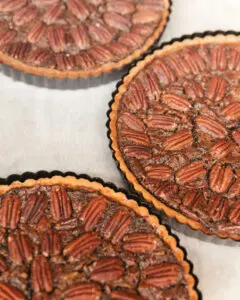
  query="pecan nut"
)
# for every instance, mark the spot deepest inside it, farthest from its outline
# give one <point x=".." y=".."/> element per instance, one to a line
<point x="107" y="269"/>
<point x="141" y="152"/>
<point x="221" y="148"/>
<point x="234" y="215"/>
<point x="20" y="248"/>
<point x="192" y="172"/>
<point x="232" y="111"/>
<point x="8" y="292"/>
<point x="34" y="208"/>
<point x="176" y="102"/>
<point x="84" y="245"/>
<point x="140" y="242"/>
<point x="83" y="291"/>
<point x="161" y="122"/>
<point x="93" y="211"/>
<point x="178" y="141"/>
<point x="116" y="228"/>
<point x="211" y="127"/>
<point x="61" y="206"/>
<point x="162" y="275"/>
<point x="218" y="208"/>
<point x="220" y="178"/>
<point x="41" y="275"/>
<point x="132" y="122"/>
<point x="10" y="211"/>
<point x="160" y="172"/>
<point x="51" y="243"/>
<point x="217" y="88"/>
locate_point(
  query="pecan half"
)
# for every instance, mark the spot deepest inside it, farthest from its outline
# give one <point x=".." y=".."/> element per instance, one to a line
<point x="18" y="50"/>
<point x="131" y="39"/>
<point x="151" y="85"/>
<point x="41" y="296"/>
<point x="178" y="141"/>
<point x="234" y="190"/>
<point x="101" y="54"/>
<point x="10" y="211"/>
<point x="83" y="291"/>
<point x="195" y="60"/>
<point x="164" y="122"/>
<point x="53" y="13"/>
<point x="51" y="243"/>
<point x="232" y="111"/>
<point x="107" y="269"/>
<point x="160" y="172"/>
<point x="163" y="71"/>
<point x="36" y="32"/>
<point x="41" y="275"/>
<point x="3" y="265"/>
<point x="93" y="212"/>
<point x="217" y="88"/>
<point x="34" y="208"/>
<point x="117" y="226"/>
<point x="141" y="152"/>
<point x="117" y="295"/>
<point x="84" y="245"/>
<point x="218" y="208"/>
<point x="220" y="178"/>
<point x="132" y="121"/>
<point x="80" y="36"/>
<point x="122" y="6"/>
<point x="6" y="36"/>
<point x="117" y="21"/>
<point x="40" y="57"/>
<point x="193" y="89"/>
<point x="136" y="98"/>
<point x="176" y="102"/>
<point x="179" y="65"/>
<point x="137" y="137"/>
<point x="218" y="58"/>
<point x="234" y="59"/>
<point x="11" y="5"/>
<point x="78" y="8"/>
<point x="20" y="248"/>
<point x="60" y="204"/>
<point x="192" y="172"/>
<point x="56" y="38"/>
<point x="211" y="127"/>
<point x="25" y="15"/>
<point x="236" y="136"/>
<point x="145" y="16"/>
<point x="221" y="148"/>
<point x="162" y="275"/>
<point x="140" y="242"/>
<point x="8" y="292"/>
<point x="100" y="33"/>
<point x="234" y="215"/>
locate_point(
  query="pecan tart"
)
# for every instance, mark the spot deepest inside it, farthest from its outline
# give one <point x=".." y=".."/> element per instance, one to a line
<point x="74" y="238"/>
<point x="78" y="38"/>
<point x="175" y="131"/>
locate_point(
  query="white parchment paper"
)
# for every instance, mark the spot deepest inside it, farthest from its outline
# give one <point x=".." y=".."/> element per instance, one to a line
<point x="62" y="126"/>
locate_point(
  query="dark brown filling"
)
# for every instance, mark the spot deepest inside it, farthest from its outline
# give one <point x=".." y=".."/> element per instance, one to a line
<point x="76" y="244"/>
<point x="179" y="133"/>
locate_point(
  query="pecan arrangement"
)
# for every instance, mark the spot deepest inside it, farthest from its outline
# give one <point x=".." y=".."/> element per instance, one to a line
<point x="60" y="242"/>
<point x="176" y="128"/>
<point x="78" y="35"/>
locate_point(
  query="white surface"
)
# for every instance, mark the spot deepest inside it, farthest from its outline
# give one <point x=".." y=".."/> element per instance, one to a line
<point x="56" y="129"/>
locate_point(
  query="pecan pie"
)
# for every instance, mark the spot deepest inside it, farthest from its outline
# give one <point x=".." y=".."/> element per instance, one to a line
<point x="71" y="38"/>
<point x="175" y="131"/>
<point x="69" y="238"/>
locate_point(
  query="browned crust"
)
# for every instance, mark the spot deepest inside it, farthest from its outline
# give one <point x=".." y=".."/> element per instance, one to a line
<point x="49" y="73"/>
<point x="74" y="183"/>
<point x="113" y="116"/>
